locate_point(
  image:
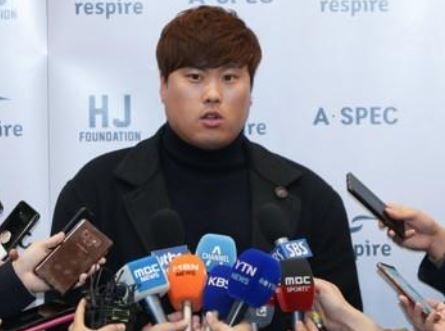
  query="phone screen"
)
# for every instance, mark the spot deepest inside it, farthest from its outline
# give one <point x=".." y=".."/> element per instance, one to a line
<point x="17" y="225"/>
<point x="373" y="204"/>
<point x="392" y="274"/>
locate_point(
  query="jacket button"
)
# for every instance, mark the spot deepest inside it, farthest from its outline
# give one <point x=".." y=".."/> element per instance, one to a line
<point x="281" y="192"/>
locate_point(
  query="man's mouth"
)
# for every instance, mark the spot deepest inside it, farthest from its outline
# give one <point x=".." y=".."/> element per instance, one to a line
<point x="212" y="119"/>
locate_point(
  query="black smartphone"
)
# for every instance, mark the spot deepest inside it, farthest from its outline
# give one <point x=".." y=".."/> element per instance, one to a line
<point x="47" y="314"/>
<point x="16" y="226"/>
<point x="391" y="274"/>
<point x="373" y="204"/>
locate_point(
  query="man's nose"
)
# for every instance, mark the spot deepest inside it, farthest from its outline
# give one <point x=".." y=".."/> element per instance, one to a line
<point x="212" y="92"/>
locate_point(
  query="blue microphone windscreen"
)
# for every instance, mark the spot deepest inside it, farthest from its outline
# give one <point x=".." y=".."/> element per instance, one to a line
<point x="254" y="278"/>
<point x="216" y="249"/>
<point x="147" y="273"/>
<point x="216" y="297"/>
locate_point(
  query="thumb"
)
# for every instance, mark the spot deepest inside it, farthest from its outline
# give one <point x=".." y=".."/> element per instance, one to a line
<point x="54" y="240"/>
<point x="214" y="323"/>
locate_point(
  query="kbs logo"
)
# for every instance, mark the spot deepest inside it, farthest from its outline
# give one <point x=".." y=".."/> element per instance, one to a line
<point x="218" y="282"/>
<point x="368" y="248"/>
<point x="108" y="9"/>
<point x="9" y="130"/>
<point x="7" y="13"/>
<point x="107" y="126"/>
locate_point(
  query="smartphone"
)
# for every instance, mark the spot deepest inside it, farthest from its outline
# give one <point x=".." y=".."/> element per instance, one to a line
<point x="16" y="226"/>
<point x="53" y="313"/>
<point x="391" y="274"/>
<point x="373" y="204"/>
<point x="82" y="247"/>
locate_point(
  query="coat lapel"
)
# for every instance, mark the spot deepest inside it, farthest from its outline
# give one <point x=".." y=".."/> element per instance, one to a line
<point x="270" y="180"/>
<point x="145" y="192"/>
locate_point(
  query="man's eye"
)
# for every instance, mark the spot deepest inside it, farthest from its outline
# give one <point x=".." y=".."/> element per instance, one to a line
<point x="194" y="77"/>
<point x="230" y="77"/>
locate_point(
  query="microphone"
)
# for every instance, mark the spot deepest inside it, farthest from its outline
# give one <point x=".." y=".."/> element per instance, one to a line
<point x="253" y="281"/>
<point x="187" y="275"/>
<point x="274" y="224"/>
<point x="261" y="317"/>
<point x="215" y="296"/>
<point x="1" y="208"/>
<point x="169" y="230"/>
<point x="150" y="282"/>
<point x="216" y="249"/>
<point x="297" y="290"/>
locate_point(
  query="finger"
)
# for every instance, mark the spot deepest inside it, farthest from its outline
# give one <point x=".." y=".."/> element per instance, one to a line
<point x="113" y="327"/>
<point x="54" y="240"/>
<point x="79" y="315"/>
<point x="13" y="254"/>
<point x="174" y="317"/>
<point x="196" y="323"/>
<point x="214" y="323"/>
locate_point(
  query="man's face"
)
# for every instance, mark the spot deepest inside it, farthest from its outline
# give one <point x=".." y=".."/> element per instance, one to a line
<point x="207" y="108"/>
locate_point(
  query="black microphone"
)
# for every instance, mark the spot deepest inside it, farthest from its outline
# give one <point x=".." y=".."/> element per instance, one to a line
<point x="273" y="223"/>
<point x="1" y="207"/>
<point x="168" y="228"/>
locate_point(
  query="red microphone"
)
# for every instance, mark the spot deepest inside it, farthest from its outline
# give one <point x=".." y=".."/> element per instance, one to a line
<point x="187" y="276"/>
<point x="297" y="290"/>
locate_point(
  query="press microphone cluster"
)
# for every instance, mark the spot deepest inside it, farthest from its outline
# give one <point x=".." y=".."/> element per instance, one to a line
<point x="236" y="288"/>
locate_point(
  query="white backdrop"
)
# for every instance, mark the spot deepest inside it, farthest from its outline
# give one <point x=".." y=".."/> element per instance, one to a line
<point x="347" y="85"/>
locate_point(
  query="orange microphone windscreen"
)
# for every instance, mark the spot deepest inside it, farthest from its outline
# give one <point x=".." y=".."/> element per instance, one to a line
<point x="187" y="276"/>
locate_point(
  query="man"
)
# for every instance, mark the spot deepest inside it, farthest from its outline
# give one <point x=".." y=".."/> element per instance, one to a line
<point x="201" y="164"/>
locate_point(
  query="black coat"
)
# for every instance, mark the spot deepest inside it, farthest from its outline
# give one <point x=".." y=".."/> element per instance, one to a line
<point x="432" y="275"/>
<point x="126" y="187"/>
<point x="13" y="295"/>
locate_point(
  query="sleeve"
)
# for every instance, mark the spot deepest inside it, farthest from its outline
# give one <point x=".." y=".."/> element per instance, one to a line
<point x="334" y="258"/>
<point x="432" y="275"/>
<point x="12" y="287"/>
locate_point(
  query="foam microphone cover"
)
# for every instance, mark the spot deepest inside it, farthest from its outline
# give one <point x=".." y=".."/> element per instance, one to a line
<point x="297" y="289"/>
<point x="215" y="296"/>
<point x="187" y="276"/>
<point x="168" y="228"/>
<point x="254" y="278"/>
<point x="273" y="221"/>
<point x="216" y="249"/>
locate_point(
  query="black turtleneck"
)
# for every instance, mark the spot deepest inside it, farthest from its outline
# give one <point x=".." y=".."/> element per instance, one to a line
<point x="209" y="189"/>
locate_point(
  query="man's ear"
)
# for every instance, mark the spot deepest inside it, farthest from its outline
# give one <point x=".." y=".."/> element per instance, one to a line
<point x="163" y="88"/>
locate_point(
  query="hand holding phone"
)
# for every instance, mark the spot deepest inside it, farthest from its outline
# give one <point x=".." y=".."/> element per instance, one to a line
<point x="82" y="247"/>
<point x="17" y="225"/>
<point x="392" y="275"/>
<point x="376" y="206"/>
